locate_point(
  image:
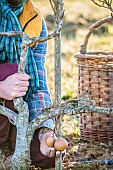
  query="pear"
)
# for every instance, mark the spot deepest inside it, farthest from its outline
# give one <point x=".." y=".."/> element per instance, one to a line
<point x="50" y="141"/>
<point x="60" y="144"/>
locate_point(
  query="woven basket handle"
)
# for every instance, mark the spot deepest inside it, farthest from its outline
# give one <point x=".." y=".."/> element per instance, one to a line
<point x="83" y="49"/>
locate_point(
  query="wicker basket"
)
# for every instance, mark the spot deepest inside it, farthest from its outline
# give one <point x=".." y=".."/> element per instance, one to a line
<point x="96" y="82"/>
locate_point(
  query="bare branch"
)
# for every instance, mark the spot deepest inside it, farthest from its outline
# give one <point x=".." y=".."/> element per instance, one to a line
<point x="70" y="107"/>
<point x="105" y="162"/>
<point x="51" y="2"/>
<point x="34" y="39"/>
<point x="54" y="111"/>
<point x="12" y="116"/>
<point x="12" y="33"/>
<point x="100" y="5"/>
<point x="50" y="36"/>
<point x="55" y="5"/>
<point x="104" y="3"/>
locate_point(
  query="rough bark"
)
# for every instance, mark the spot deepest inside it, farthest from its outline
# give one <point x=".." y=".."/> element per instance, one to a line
<point x="57" y="58"/>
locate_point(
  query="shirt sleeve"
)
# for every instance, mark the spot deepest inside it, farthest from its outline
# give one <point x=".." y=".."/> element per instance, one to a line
<point x="40" y="100"/>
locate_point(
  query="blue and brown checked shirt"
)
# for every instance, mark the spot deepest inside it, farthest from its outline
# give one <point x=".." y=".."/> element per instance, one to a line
<point x="41" y="99"/>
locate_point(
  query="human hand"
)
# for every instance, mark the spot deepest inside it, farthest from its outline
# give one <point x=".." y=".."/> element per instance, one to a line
<point x="14" y="86"/>
<point x="45" y="149"/>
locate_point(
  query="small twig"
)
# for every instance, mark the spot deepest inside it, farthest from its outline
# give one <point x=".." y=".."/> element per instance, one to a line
<point x="104" y="3"/>
<point x="12" y="33"/>
<point x="34" y="39"/>
<point x="51" y="2"/>
<point x="50" y="36"/>
<point x="106" y="162"/>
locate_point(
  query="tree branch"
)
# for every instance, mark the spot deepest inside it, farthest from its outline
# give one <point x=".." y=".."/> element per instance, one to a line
<point x="68" y="108"/>
<point x="12" y="116"/>
<point x="12" y="33"/>
<point x="50" y="36"/>
<point x="104" y="3"/>
<point x="53" y="8"/>
<point x="28" y="41"/>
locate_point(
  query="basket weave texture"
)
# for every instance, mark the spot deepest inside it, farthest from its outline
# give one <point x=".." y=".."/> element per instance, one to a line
<point x="96" y="82"/>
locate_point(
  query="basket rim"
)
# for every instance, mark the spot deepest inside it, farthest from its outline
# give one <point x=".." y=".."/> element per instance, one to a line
<point x="91" y="55"/>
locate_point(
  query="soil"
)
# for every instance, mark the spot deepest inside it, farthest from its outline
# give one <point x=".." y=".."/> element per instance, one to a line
<point x="82" y="152"/>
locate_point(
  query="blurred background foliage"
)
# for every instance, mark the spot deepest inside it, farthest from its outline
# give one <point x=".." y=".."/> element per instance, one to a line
<point x="79" y="16"/>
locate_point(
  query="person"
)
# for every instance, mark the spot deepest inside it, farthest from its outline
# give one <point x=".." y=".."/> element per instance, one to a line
<point x="23" y="15"/>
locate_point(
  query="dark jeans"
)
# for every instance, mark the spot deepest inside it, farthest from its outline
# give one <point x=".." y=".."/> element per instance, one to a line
<point x="8" y="134"/>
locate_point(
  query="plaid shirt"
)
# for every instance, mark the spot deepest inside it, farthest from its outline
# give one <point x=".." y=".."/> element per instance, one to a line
<point x="41" y="99"/>
<point x="10" y="46"/>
